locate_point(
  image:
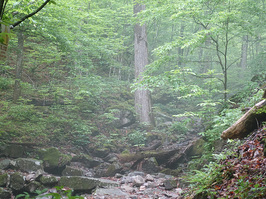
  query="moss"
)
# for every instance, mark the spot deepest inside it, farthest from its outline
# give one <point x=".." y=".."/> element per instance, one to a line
<point x="3" y="179"/>
<point x="174" y="172"/>
<point x="52" y="157"/>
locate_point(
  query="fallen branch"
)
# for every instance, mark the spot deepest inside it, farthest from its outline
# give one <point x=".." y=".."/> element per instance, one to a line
<point x="250" y="121"/>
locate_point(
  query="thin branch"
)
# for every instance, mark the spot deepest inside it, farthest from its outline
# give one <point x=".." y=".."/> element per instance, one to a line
<point x="29" y="15"/>
<point x="233" y="63"/>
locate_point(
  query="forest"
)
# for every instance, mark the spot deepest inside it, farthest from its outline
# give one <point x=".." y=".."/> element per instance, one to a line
<point x="133" y="99"/>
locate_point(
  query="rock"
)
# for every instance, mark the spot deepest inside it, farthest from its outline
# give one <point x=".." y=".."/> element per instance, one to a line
<point x="33" y="186"/>
<point x="71" y="171"/>
<point x="14" y="151"/>
<point x="111" y="158"/>
<point x="149" y="177"/>
<point x="48" y="180"/>
<point x="114" y="192"/>
<point x="4" y="164"/>
<point x="53" y="160"/>
<point x="136" y="173"/>
<point x="87" y="160"/>
<point x="79" y="183"/>
<point x="118" y="175"/>
<point x="138" y="180"/>
<point x="101" y="152"/>
<point x="33" y="176"/>
<point x="17" y="181"/>
<point x="3" y="180"/>
<point x="114" y="168"/>
<point x="100" y="171"/>
<point x="5" y="194"/>
<point x="150" y="165"/>
<point x="170" y="184"/>
<point x="197" y="149"/>
<point x="127" y="188"/>
<point x="28" y="164"/>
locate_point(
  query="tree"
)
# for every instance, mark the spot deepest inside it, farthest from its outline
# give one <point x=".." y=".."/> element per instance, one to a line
<point x="142" y="96"/>
<point x="3" y="4"/>
<point x="19" y="66"/>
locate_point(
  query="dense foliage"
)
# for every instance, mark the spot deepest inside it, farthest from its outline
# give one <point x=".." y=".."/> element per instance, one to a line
<point x="207" y="58"/>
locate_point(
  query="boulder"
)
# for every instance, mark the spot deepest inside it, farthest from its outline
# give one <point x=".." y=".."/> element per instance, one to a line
<point x="34" y="175"/>
<point x="101" y="152"/>
<point x="197" y="148"/>
<point x="28" y="164"/>
<point x="17" y="181"/>
<point x="71" y="171"/>
<point x="13" y="151"/>
<point x="3" y="180"/>
<point x="101" y="169"/>
<point x="53" y="160"/>
<point x="85" y="184"/>
<point x="5" y="194"/>
<point x="87" y="160"/>
<point x="150" y="165"/>
<point x="48" y="180"/>
<point x="138" y="180"/>
<point x="114" y="168"/>
<point x="114" y="193"/>
<point x="4" y="164"/>
<point x="170" y="184"/>
<point x="33" y="186"/>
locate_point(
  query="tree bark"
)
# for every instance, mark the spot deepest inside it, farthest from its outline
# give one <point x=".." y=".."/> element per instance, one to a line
<point x="244" y="52"/>
<point x="17" y="87"/>
<point x="142" y="96"/>
<point x="250" y="121"/>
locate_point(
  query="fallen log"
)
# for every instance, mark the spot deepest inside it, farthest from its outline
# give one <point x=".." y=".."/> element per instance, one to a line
<point x="250" y="121"/>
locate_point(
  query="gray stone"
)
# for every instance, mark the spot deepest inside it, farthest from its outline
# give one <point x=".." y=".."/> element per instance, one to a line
<point x="170" y="184"/>
<point x="101" y="152"/>
<point x="136" y="173"/>
<point x="4" y="164"/>
<point x="34" y="175"/>
<point x="150" y="165"/>
<point x="17" y="181"/>
<point x="5" y="194"/>
<point x="48" y="180"/>
<point x="79" y="183"/>
<point x="138" y="181"/>
<point x="33" y="186"/>
<point x="87" y="160"/>
<point x="71" y="171"/>
<point x="149" y="177"/>
<point x="111" y="158"/>
<point x="112" y="169"/>
<point x="3" y="180"/>
<point x="28" y="164"/>
<point x="100" y="171"/>
<point x="114" y="192"/>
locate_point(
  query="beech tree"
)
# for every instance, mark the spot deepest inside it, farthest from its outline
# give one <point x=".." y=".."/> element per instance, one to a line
<point x="142" y="96"/>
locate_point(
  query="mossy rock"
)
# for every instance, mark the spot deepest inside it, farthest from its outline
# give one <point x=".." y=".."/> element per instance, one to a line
<point x="113" y="169"/>
<point x="17" y="181"/>
<point x="53" y="158"/>
<point x="3" y="179"/>
<point x="197" y="149"/>
<point x="175" y="172"/>
<point x="48" y="180"/>
<point x="5" y="194"/>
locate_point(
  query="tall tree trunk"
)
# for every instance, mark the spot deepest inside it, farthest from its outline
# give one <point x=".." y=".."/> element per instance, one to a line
<point x="244" y="52"/>
<point x="17" y="87"/>
<point x="180" y="51"/>
<point x="142" y="96"/>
